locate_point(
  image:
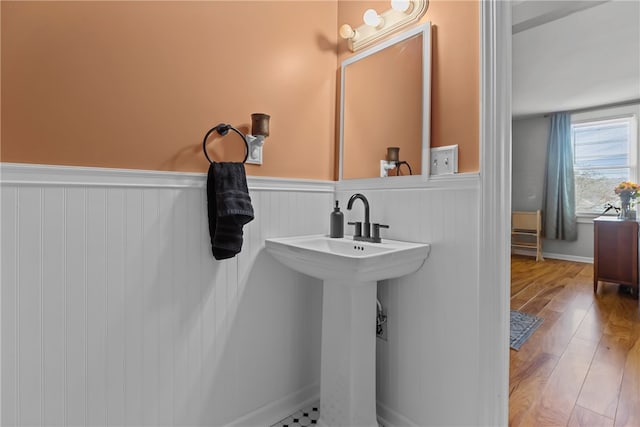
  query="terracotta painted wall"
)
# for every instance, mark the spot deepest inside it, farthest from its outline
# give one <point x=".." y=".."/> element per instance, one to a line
<point x="455" y="71"/>
<point x="138" y="84"/>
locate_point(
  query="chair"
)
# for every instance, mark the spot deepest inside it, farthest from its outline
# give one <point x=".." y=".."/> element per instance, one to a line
<point x="526" y="231"/>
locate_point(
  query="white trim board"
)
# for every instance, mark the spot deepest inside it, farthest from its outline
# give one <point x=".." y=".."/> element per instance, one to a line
<point x="495" y="212"/>
<point x="460" y="180"/>
<point x="25" y="174"/>
<point x="273" y="412"/>
<point x="387" y="417"/>
<point x="565" y="257"/>
<point x="553" y="255"/>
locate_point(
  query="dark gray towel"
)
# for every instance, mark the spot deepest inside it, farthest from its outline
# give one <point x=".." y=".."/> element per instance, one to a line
<point x="229" y="208"/>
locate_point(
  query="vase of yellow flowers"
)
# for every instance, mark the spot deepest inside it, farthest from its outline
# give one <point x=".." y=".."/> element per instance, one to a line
<point x="626" y="190"/>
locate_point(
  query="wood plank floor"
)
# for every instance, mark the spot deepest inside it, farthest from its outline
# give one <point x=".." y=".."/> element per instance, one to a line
<point x="582" y="366"/>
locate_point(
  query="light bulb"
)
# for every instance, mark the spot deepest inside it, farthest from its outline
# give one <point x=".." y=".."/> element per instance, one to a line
<point x="401" y="5"/>
<point x="346" y="32"/>
<point x="372" y="18"/>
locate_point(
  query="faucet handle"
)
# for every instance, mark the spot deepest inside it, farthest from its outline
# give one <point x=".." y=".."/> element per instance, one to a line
<point x="376" y="232"/>
<point x="358" y="228"/>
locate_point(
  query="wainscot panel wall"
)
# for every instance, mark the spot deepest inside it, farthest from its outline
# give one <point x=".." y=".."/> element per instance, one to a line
<point x="427" y="370"/>
<point x="115" y="313"/>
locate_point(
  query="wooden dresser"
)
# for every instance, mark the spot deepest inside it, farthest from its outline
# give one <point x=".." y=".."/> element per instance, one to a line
<point x="615" y="252"/>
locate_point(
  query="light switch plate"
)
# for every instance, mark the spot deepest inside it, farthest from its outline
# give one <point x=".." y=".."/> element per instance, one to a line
<point x="444" y="160"/>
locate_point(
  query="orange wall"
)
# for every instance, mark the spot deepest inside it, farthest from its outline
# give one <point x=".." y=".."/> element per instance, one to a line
<point x="455" y="71"/>
<point x="138" y="84"/>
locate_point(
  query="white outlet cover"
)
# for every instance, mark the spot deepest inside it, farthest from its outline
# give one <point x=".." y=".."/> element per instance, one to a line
<point x="444" y="160"/>
<point x="254" y="145"/>
<point x="255" y="156"/>
<point x="385" y="167"/>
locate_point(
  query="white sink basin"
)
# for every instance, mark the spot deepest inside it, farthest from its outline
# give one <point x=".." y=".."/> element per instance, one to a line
<point x="348" y="260"/>
<point x="349" y="270"/>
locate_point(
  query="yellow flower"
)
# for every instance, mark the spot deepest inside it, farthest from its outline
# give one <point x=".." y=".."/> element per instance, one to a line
<point x="627" y="187"/>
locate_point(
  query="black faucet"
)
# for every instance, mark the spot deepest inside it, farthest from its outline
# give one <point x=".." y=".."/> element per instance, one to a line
<point x="366" y="228"/>
<point x="363" y="231"/>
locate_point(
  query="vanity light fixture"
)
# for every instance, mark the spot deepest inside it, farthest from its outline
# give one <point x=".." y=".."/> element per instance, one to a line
<point x="346" y="32"/>
<point x="372" y="19"/>
<point x="255" y="140"/>
<point x="376" y="26"/>
<point x="401" y="5"/>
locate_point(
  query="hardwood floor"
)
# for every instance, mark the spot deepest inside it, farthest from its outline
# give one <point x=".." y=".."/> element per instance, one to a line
<point x="582" y="366"/>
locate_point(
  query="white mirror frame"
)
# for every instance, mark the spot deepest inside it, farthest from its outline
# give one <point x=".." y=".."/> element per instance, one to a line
<point x="425" y="30"/>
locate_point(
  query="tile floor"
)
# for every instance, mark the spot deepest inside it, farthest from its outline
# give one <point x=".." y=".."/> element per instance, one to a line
<point x="305" y="417"/>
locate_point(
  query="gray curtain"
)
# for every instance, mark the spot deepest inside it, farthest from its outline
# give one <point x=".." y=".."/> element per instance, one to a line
<point x="559" y="191"/>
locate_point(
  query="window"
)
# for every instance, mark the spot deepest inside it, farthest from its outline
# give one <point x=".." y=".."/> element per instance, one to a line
<point x="604" y="155"/>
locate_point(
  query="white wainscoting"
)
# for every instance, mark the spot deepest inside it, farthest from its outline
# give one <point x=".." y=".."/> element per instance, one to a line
<point x="427" y="371"/>
<point x="115" y="313"/>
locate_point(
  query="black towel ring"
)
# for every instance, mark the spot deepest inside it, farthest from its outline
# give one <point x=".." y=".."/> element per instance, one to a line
<point x="223" y="129"/>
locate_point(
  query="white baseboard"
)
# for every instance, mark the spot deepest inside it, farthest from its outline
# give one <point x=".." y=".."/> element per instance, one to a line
<point x="387" y="417"/>
<point x="280" y="409"/>
<point x="564" y="257"/>
<point x="276" y="411"/>
<point x="552" y="255"/>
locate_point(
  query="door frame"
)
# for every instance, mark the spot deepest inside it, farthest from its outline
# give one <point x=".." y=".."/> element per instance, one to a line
<point x="495" y="212"/>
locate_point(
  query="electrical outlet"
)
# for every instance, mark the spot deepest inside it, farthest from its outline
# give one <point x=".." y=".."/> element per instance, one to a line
<point x="385" y="167"/>
<point x="444" y="160"/>
<point x="255" y="156"/>
<point x="254" y="147"/>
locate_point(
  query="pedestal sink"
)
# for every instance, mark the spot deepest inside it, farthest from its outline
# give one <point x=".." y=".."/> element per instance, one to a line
<point x="349" y="270"/>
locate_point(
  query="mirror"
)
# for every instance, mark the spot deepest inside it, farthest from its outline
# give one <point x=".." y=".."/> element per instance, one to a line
<point x="385" y="102"/>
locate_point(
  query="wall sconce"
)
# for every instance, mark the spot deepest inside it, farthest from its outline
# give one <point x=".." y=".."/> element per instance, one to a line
<point x="393" y="154"/>
<point x="255" y="140"/>
<point x="392" y="162"/>
<point x="376" y="26"/>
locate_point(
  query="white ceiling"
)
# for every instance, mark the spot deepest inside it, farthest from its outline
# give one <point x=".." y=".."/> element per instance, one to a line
<point x="569" y="55"/>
